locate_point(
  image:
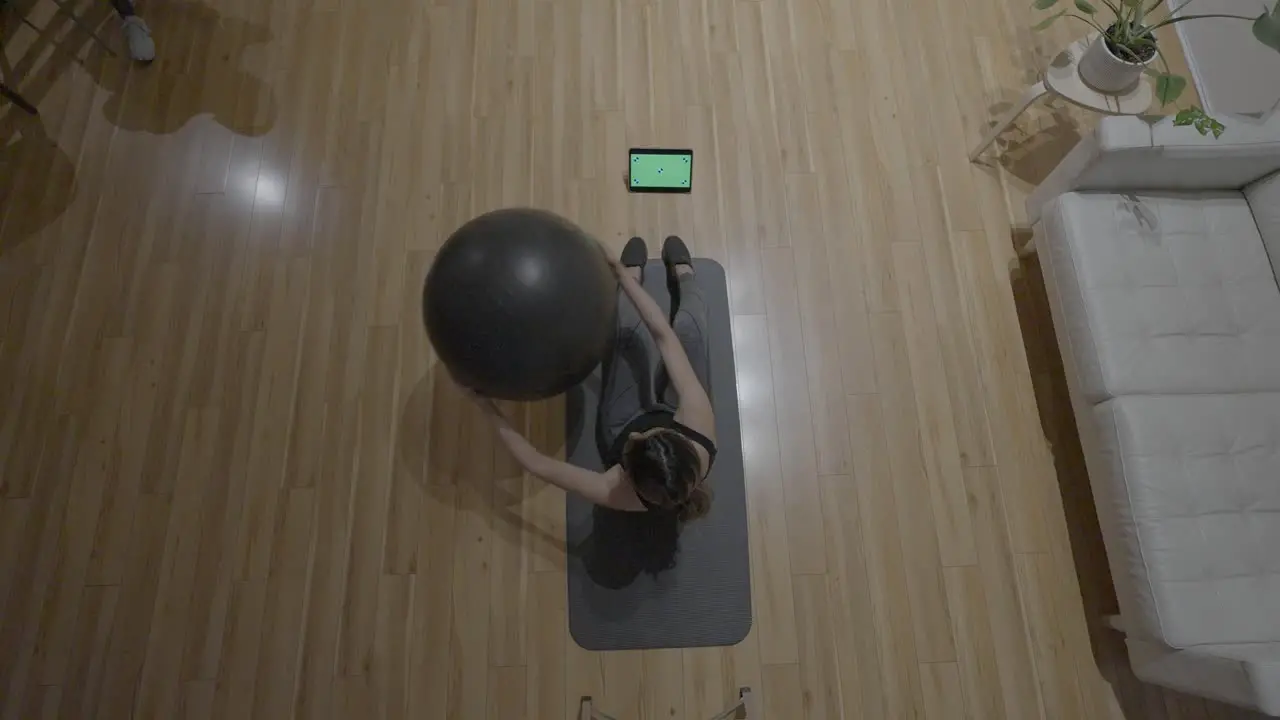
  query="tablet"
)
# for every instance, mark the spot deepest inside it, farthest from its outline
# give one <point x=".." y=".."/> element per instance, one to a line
<point x="660" y="170"/>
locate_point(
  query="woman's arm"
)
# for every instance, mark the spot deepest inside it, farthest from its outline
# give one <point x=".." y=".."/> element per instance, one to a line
<point x="695" y="405"/>
<point x="602" y="488"/>
<point x="650" y="313"/>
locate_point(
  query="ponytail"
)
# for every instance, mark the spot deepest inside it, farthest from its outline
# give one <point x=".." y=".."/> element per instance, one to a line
<point x="697" y="505"/>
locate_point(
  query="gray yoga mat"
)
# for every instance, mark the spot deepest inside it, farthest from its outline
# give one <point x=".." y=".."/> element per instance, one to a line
<point x="633" y="583"/>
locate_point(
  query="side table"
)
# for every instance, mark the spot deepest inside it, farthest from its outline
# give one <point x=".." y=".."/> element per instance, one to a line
<point x="1062" y="78"/>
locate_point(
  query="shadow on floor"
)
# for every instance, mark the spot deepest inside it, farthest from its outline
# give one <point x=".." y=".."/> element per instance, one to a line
<point x="1138" y="700"/>
<point x="37" y="179"/>
<point x="1034" y="145"/>
<point x="197" y="70"/>
<point x="450" y="449"/>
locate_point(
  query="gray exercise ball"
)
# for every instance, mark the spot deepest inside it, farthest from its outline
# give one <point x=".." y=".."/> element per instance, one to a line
<point x="519" y="304"/>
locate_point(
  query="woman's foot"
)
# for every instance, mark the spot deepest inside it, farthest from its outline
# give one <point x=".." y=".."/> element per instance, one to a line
<point x="634" y="256"/>
<point x="138" y="36"/>
<point x="675" y="255"/>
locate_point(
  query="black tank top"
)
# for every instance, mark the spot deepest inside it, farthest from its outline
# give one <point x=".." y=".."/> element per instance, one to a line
<point x="659" y="419"/>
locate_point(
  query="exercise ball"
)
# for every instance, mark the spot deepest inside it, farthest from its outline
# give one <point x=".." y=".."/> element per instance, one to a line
<point x="519" y="304"/>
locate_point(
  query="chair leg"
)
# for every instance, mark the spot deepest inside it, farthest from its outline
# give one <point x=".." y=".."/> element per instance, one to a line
<point x="62" y="5"/>
<point x="1024" y="242"/>
<point x="12" y="96"/>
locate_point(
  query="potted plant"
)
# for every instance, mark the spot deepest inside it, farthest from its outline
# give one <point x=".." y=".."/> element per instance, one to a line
<point x="1126" y="46"/>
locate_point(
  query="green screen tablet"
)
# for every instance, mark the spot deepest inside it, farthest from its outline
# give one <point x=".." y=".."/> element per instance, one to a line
<point x="661" y="170"/>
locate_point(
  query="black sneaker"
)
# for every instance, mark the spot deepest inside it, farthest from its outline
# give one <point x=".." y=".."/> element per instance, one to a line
<point x="635" y="254"/>
<point x="675" y="252"/>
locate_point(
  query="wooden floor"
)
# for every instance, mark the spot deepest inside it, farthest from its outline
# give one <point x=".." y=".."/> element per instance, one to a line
<point x="236" y="484"/>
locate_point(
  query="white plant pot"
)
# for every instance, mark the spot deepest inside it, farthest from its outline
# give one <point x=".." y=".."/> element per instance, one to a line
<point x="1101" y="70"/>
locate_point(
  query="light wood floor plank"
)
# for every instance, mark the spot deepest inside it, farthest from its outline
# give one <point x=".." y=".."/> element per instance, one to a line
<point x="663" y="684"/>
<point x="996" y="565"/>
<point x="938" y="443"/>
<point x="975" y="645"/>
<point x="292" y="563"/>
<point x="853" y="617"/>
<point x="844" y="251"/>
<point x="1049" y="650"/>
<point x="708" y="686"/>
<point x="782" y="694"/>
<point x="159" y="686"/>
<point x="818" y="325"/>
<point x="795" y="425"/>
<point x="548" y="634"/>
<point x="999" y="369"/>
<point x="943" y="697"/>
<point x="910" y="485"/>
<point x="819" y="668"/>
<point x="773" y="603"/>
<point x="769" y="210"/>
<point x="746" y="286"/>
<point x="507" y="692"/>
<point x="887" y="583"/>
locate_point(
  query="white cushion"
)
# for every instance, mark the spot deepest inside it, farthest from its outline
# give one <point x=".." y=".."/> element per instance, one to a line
<point x="1195" y="483"/>
<point x="1145" y="156"/>
<point x="1264" y="201"/>
<point x="1163" y="293"/>
<point x="1245" y="674"/>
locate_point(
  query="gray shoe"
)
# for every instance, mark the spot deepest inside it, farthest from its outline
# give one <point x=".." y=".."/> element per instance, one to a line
<point x="141" y="47"/>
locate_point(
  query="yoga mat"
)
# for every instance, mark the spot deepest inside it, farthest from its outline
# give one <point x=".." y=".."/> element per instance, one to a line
<point x="633" y="583"/>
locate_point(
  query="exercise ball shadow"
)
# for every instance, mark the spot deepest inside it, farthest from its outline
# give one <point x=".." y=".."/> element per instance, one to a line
<point x="519" y="304"/>
<point x="447" y="446"/>
<point x="444" y="440"/>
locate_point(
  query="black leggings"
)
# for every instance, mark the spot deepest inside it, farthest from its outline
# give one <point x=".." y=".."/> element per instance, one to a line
<point x="123" y="7"/>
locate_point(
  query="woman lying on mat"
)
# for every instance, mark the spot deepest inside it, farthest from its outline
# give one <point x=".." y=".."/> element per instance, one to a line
<point x="656" y="432"/>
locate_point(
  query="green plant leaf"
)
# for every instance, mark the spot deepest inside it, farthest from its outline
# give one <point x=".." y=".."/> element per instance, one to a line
<point x="1044" y="4"/>
<point x="1169" y="87"/>
<point x="1048" y="21"/>
<point x="1267" y="28"/>
<point x="1084" y="7"/>
<point x="1196" y="118"/>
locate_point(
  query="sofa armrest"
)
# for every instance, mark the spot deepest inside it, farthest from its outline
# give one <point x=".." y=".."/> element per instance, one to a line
<point x="1135" y="154"/>
<point x="1244" y="674"/>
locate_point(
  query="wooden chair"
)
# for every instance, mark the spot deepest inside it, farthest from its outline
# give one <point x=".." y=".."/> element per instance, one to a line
<point x="14" y="96"/>
<point x="747" y="708"/>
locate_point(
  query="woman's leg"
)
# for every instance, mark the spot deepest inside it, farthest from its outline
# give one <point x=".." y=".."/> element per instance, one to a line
<point x="690" y="325"/>
<point x="136" y="33"/>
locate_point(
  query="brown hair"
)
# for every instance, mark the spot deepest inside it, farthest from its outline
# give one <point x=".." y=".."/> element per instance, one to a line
<point x="667" y="473"/>
<point x="697" y="505"/>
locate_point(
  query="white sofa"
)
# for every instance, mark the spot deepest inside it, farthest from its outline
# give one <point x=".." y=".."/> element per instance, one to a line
<point x="1160" y="252"/>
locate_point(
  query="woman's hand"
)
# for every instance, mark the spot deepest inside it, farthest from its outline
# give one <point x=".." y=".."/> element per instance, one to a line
<point x="487" y="406"/>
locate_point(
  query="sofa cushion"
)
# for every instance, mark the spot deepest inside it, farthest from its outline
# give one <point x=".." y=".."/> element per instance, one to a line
<point x="1245" y="674"/>
<point x="1166" y="293"/>
<point x="1264" y="201"/>
<point x="1195" y="483"/>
